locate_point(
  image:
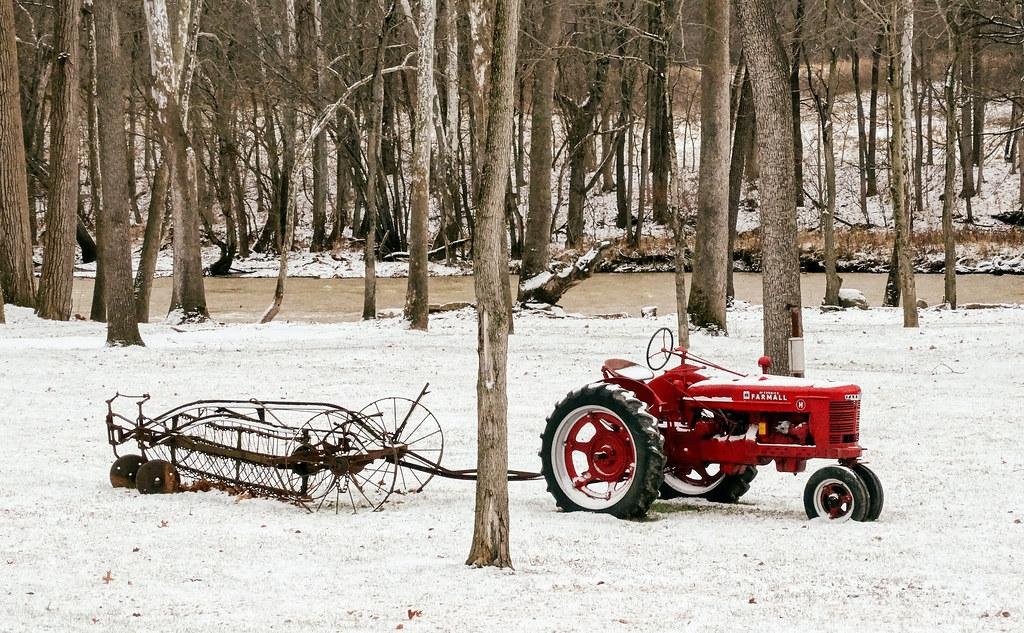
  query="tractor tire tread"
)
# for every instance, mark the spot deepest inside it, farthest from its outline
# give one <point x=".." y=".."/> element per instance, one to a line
<point x="637" y="503"/>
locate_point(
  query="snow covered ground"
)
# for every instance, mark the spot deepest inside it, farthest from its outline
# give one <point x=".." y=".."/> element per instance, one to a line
<point x="942" y="416"/>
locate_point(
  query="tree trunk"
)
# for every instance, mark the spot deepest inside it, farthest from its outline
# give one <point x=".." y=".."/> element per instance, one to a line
<point x="832" y="280"/>
<point x="743" y="139"/>
<point x="143" y="285"/>
<point x="172" y="70"/>
<point x="900" y="41"/>
<point x="417" y="303"/>
<point x="966" y="135"/>
<point x="372" y="168"/>
<point x="122" y="327"/>
<point x="16" y="279"/>
<point x="862" y="140"/>
<point x="490" y="545"/>
<point x="657" y="95"/>
<point x="870" y="163"/>
<point x="538" y="217"/>
<point x="794" y="88"/>
<point x="711" y="256"/>
<point x="98" y="309"/>
<point x="318" y="241"/>
<point x="54" y="300"/>
<point x="768" y="67"/>
<point x="949" y="165"/>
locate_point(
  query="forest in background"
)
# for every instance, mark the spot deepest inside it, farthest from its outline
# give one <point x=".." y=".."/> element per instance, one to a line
<point x="248" y="120"/>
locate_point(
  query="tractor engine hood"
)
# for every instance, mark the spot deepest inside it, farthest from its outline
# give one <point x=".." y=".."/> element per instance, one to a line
<point x="765" y="388"/>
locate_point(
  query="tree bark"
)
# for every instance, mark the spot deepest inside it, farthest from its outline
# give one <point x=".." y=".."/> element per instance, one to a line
<point x="900" y="39"/>
<point x="743" y="140"/>
<point x="870" y="163"/>
<point x="151" y="240"/>
<point x="122" y="327"/>
<point x="766" y="60"/>
<point x="795" y="96"/>
<point x="490" y="545"/>
<point x="949" y="166"/>
<point x="417" y="303"/>
<point x="16" y="279"/>
<point x="657" y="96"/>
<point x="711" y="256"/>
<point x="372" y="168"/>
<point x="538" y="217"/>
<point x="54" y="301"/>
<point x="172" y="64"/>
<point x="318" y="241"/>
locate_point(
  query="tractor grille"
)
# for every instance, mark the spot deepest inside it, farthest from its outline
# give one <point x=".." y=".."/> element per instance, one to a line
<point x="843" y="424"/>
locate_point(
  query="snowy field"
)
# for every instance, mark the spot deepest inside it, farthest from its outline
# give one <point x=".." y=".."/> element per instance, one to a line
<point x="942" y="416"/>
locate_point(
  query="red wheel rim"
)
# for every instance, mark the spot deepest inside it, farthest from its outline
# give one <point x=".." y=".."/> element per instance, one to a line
<point x="599" y="450"/>
<point x="835" y="499"/>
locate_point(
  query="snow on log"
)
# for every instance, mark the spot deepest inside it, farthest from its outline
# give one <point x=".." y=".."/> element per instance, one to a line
<point x="549" y="287"/>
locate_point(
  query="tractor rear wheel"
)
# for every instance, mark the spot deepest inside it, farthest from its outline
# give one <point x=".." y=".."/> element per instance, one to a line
<point x="601" y="451"/>
<point x="836" y="493"/>
<point x="874" y="487"/>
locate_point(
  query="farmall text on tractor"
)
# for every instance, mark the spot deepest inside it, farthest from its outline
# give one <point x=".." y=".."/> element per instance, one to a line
<point x="614" y="446"/>
<point x="701" y="430"/>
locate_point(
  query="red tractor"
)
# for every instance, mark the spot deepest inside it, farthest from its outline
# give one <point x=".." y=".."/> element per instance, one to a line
<point x="617" y="444"/>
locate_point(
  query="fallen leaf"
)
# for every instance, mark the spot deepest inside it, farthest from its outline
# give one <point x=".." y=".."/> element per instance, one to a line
<point x="414" y="613"/>
<point x="107" y="578"/>
<point x="163" y="524"/>
<point x="752" y="600"/>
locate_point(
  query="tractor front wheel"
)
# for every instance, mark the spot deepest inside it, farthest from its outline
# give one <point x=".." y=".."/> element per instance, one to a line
<point x="836" y="493"/>
<point x="874" y="487"/>
<point x="708" y="481"/>
<point x="601" y="451"/>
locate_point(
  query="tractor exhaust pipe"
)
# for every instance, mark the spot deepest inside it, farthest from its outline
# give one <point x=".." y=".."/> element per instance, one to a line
<point x="796" y="343"/>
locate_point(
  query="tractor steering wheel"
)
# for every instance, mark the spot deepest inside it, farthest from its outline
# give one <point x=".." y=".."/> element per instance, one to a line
<point x="660" y="348"/>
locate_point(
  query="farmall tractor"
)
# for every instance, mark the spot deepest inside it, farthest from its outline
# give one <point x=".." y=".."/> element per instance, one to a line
<point x="701" y="430"/>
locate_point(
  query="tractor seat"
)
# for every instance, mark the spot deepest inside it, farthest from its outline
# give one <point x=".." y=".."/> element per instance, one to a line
<point x="622" y="368"/>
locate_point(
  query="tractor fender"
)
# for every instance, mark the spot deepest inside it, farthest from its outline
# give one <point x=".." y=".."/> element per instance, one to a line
<point x="640" y="389"/>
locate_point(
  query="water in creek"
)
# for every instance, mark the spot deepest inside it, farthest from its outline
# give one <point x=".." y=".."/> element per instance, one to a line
<point x="238" y="299"/>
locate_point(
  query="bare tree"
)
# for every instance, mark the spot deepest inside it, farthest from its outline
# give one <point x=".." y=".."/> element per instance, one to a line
<point x="949" y="163"/>
<point x="490" y="545"/>
<point x="173" y="65"/>
<point x="54" y="301"/>
<point x="899" y="44"/>
<point x="417" y="304"/>
<point x="768" y="67"/>
<point x="115" y="212"/>
<point x="823" y="91"/>
<point x="710" y="253"/>
<point x="538" y="218"/>
<point x="15" y="230"/>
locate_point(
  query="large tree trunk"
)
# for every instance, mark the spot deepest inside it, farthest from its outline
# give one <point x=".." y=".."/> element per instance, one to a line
<point x="768" y="67"/>
<point x="122" y="327"/>
<point x="657" y="95"/>
<point x="417" y="296"/>
<point x="16" y="279"/>
<point x="372" y="169"/>
<point x="900" y="40"/>
<point x="490" y="545"/>
<point x="538" y="218"/>
<point x="54" y="300"/>
<point x="743" y="140"/>
<point x="949" y="173"/>
<point x="172" y="71"/>
<point x="711" y="256"/>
